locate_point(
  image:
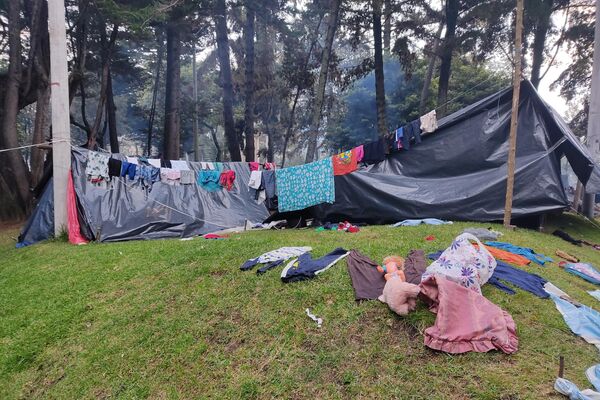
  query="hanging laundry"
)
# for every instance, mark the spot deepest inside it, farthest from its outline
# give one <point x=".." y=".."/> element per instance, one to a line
<point x="525" y="252"/>
<point x="584" y="271"/>
<point x="531" y="283"/>
<point x="268" y="183"/>
<point x="114" y="167"/>
<point x="565" y="236"/>
<point x="398" y="135"/>
<point x="227" y="178"/>
<point x="269" y="166"/>
<point x="147" y="176"/>
<point x="428" y="122"/>
<point x="165" y="163"/>
<point x="374" y="152"/>
<point x="414" y="266"/>
<point x="170" y="176"/>
<point x="73" y="227"/>
<point x="254" y="166"/>
<point x="187" y="177"/>
<point x="132" y="160"/>
<point x="209" y="180"/>
<point x="155" y="162"/>
<point x="279" y="255"/>
<point x="180" y="165"/>
<point x="128" y="169"/>
<point x="305" y="185"/>
<point x="255" y="179"/>
<point x="306" y="268"/>
<point x="97" y="166"/>
<point x="257" y="190"/>
<point x="367" y="282"/>
<point x="359" y="151"/>
<point x="411" y="131"/>
<point x="583" y="321"/>
<point x="426" y="221"/>
<point x="483" y="234"/>
<point x="568" y="388"/>
<point x="344" y="163"/>
<point x="209" y="165"/>
<point x="466" y="321"/>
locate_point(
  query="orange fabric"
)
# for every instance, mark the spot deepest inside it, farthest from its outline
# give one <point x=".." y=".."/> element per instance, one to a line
<point x="507" y="256"/>
<point x="345" y="162"/>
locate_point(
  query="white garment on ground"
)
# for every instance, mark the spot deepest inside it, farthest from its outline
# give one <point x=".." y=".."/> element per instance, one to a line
<point x="155" y="162"/>
<point x="568" y="388"/>
<point x="132" y="160"/>
<point x="180" y="165"/>
<point x="552" y="289"/>
<point x="429" y="122"/>
<point x="255" y="179"/>
<point x="282" y="253"/>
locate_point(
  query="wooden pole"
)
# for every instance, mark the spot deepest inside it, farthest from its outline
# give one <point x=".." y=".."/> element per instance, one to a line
<point x="593" y="128"/>
<point x="61" y="133"/>
<point x="510" y="180"/>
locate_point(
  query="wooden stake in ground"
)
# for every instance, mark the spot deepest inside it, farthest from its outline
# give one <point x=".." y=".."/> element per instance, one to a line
<point x="512" y="148"/>
<point x="61" y="133"/>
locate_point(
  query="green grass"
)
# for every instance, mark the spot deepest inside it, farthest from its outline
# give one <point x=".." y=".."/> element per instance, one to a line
<point x="177" y="319"/>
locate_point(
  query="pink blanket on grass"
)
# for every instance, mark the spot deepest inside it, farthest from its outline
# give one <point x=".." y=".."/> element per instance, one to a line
<point x="466" y="321"/>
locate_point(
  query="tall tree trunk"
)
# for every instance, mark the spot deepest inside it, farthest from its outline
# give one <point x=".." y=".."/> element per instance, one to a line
<point x="543" y="15"/>
<point x="430" y="68"/>
<point x="173" y="92"/>
<point x="379" y="78"/>
<point x="334" y="9"/>
<point x="288" y="132"/>
<point x="387" y="27"/>
<point x="40" y="127"/>
<point x="446" y="57"/>
<point x="196" y="127"/>
<point x="106" y="59"/>
<point x="13" y="159"/>
<point x="249" y="82"/>
<point x="111" y="116"/>
<point x="220" y="17"/>
<point x="154" y="98"/>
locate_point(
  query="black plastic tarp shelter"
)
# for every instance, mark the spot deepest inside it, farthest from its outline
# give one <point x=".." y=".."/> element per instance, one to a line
<point x="458" y="172"/>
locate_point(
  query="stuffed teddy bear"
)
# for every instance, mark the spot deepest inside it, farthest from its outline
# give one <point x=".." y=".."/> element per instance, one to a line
<point x="400" y="296"/>
<point x="393" y="267"/>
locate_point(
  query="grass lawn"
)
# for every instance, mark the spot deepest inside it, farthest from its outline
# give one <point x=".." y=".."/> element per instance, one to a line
<point x="178" y="319"/>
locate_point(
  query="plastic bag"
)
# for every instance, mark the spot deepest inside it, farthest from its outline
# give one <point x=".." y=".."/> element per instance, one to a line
<point x="464" y="263"/>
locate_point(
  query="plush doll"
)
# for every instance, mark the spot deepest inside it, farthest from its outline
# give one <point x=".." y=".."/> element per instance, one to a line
<point x="393" y="267"/>
<point x="400" y="296"/>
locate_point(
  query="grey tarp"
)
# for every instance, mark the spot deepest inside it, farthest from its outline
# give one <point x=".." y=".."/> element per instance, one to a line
<point x="126" y="211"/>
<point x="459" y="172"/>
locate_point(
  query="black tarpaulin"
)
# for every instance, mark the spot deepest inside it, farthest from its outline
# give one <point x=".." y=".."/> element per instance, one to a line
<point x="459" y="171"/>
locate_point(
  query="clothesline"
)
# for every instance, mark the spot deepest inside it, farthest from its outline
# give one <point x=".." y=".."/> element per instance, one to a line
<point x="35" y="145"/>
<point x="131" y="186"/>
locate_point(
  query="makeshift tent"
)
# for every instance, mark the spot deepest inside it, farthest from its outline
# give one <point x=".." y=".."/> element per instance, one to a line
<point x="458" y="172"/>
